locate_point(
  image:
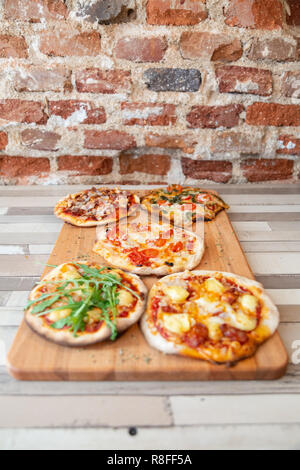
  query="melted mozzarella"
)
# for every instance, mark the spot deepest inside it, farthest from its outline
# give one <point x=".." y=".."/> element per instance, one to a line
<point x="125" y="298"/>
<point x="59" y="315"/>
<point x="215" y="286"/>
<point x="249" y="303"/>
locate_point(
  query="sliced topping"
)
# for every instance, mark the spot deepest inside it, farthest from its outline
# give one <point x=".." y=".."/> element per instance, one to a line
<point x="93" y="316"/>
<point x="242" y="321"/>
<point x="178" y="323"/>
<point x="59" y="315"/>
<point x="177" y="294"/>
<point x="196" y="336"/>
<point x="125" y="298"/>
<point x="71" y="273"/>
<point x="233" y="334"/>
<point x="215" y="286"/>
<point x="249" y="303"/>
<point x="214" y="327"/>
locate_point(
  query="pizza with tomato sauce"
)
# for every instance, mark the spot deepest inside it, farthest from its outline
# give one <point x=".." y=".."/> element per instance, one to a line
<point x="96" y="206"/>
<point x="184" y="204"/>
<point x="209" y="315"/>
<point x="79" y="303"/>
<point x="145" y="248"/>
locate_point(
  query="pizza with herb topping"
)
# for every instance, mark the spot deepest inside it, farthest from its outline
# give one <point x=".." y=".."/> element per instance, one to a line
<point x="79" y="303"/>
<point x="96" y="206"/>
<point x="210" y="315"/>
<point x="184" y="204"/>
<point x="149" y="248"/>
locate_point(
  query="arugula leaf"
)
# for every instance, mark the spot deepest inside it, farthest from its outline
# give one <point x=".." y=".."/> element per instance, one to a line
<point x="40" y="307"/>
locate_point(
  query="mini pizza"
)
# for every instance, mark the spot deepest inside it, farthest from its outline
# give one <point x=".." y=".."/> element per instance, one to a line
<point x="78" y="304"/>
<point x="209" y="315"/>
<point x="185" y="204"/>
<point x="96" y="206"/>
<point x="145" y="248"/>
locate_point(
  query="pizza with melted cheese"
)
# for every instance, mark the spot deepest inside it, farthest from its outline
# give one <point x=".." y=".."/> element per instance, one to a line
<point x="149" y="248"/>
<point x="81" y="303"/>
<point x="214" y="316"/>
<point x="96" y="206"/>
<point x="184" y="204"/>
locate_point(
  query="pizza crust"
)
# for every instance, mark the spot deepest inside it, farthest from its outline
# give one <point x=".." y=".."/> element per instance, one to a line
<point x="270" y="320"/>
<point x="66" y="338"/>
<point x="113" y="258"/>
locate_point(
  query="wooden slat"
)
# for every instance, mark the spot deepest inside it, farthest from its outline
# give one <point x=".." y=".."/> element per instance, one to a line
<point x="254" y="437"/>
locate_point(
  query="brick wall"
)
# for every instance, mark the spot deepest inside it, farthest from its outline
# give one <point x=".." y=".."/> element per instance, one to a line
<point x="150" y="91"/>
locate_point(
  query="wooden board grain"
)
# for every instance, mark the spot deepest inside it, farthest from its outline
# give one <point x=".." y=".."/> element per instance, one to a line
<point x="130" y="358"/>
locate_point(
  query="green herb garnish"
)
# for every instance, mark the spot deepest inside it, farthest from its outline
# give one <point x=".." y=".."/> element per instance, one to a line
<point x="98" y="290"/>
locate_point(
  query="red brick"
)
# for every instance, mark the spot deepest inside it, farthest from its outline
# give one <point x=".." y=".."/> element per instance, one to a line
<point x="102" y="81"/>
<point x="15" y="167"/>
<point x="35" y="10"/>
<point x="148" y="114"/>
<point x="214" y="116"/>
<point x="273" y="114"/>
<point x="13" y="46"/>
<point x="288" y="145"/>
<point x="150" y="164"/>
<point x="108" y="140"/>
<point x="22" y="111"/>
<point x="89" y="113"/>
<point x="40" y="139"/>
<point x="34" y="79"/>
<point x="293" y="16"/>
<point x="86" y="165"/>
<point x="3" y="140"/>
<point x="216" y="47"/>
<point x="138" y="49"/>
<point x="291" y="85"/>
<point x="176" y="13"/>
<point x="265" y="169"/>
<point x="186" y="143"/>
<point x="234" y="79"/>
<point x="278" y="49"/>
<point x="218" y="171"/>
<point x="224" y="143"/>
<point x="258" y="14"/>
<point x="63" y="43"/>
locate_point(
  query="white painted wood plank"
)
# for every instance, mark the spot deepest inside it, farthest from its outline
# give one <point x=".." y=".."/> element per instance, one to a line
<point x="244" y="236"/>
<point x="12" y="250"/>
<point x="40" y="249"/>
<point x="285" y="296"/>
<point x="293" y="226"/>
<point x="18" y="265"/>
<point x="259" y="208"/>
<point x="290" y="334"/>
<point x="3" y="210"/>
<point x="251" y="226"/>
<point x="29" y="412"/>
<point x="11" y="317"/>
<point x="275" y="247"/>
<point x="262" y="199"/>
<point x="41" y="201"/>
<point x="31" y="228"/>
<point x="17" y="299"/>
<point x="246" y="409"/>
<point x="239" y="437"/>
<point x="274" y="263"/>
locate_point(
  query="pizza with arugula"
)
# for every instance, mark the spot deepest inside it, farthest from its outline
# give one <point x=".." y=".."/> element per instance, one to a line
<point x="79" y="303"/>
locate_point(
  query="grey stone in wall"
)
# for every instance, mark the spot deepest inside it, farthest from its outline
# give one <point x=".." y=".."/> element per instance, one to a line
<point x="166" y="79"/>
<point x="100" y="10"/>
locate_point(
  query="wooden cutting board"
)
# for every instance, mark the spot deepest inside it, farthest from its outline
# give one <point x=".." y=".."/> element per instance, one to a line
<point x="130" y="358"/>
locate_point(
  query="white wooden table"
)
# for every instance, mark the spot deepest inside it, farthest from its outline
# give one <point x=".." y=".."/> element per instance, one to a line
<point x="179" y="415"/>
